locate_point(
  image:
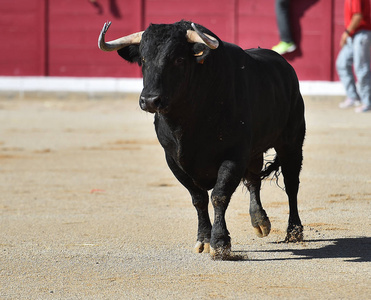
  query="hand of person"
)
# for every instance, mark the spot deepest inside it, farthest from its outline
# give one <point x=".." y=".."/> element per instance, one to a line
<point x="343" y="39"/>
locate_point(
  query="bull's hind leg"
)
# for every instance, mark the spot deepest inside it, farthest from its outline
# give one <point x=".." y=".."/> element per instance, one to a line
<point x="259" y="218"/>
<point x="291" y="160"/>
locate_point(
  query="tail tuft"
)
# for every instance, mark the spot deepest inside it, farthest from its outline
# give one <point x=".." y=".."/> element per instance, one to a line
<point x="271" y="167"/>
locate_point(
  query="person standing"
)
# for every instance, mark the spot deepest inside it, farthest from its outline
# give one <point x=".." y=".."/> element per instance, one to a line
<point x="355" y="43"/>
<point x="286" y="44"/>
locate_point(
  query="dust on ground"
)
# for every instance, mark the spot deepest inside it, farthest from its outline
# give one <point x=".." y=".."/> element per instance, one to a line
<point x="89" y="210"/>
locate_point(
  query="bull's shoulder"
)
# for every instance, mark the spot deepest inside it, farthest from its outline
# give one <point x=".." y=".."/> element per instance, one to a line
<point x="264" y="54"/>
<point x="268" y="60"/>
<point x="254" y="56"/>
<point x="267" y="56"/>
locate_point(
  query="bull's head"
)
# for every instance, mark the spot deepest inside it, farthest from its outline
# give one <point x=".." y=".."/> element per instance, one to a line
<point x="168" y="54"/>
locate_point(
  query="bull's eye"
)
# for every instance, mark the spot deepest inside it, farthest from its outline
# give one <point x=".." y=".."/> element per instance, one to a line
<point x="179" y="61"/>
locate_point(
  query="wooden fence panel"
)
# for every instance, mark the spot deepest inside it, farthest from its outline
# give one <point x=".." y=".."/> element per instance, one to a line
<point x="59" y="38"/>
<point x="22" y="50"/>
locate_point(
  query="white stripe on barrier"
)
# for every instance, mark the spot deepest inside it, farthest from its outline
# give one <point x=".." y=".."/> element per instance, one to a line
<point x="126" y="85"/>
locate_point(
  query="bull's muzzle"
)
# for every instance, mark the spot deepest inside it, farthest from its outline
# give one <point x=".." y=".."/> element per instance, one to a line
<point x="150" y="104"/>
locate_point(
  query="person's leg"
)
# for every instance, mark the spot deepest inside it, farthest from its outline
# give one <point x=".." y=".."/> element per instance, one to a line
<point x="283" y="20"/>
<point x="361" y="48"/>
<point x="286" y="43"/>
<point x="344" y="67"/>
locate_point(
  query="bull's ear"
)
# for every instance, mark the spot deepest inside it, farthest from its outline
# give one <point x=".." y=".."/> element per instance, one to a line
<point x="131" y="54"/>
<point x="200" y="52"/>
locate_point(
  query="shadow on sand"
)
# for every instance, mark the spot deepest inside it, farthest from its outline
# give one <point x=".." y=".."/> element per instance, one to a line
<point x="357" y="249"/>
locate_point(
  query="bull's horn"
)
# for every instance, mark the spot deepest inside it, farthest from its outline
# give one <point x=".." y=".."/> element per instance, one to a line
<point x="196" y="36"/>
<point x="120" y="43"/>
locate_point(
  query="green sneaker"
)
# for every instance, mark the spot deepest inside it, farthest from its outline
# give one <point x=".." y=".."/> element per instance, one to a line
<point x="284" y="47"/>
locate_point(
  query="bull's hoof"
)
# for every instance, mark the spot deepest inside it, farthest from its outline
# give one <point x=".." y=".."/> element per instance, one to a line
<point x="263" y="228"/>
<point x="294" y="234"/>
<point x="260" y="222"/>
<point x="201" y="247"/>
<point x="221" y="253"/>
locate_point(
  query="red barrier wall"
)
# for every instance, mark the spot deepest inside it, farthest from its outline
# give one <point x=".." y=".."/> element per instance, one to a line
<point x="59" y="38"/>
<point x="22" y="34"/>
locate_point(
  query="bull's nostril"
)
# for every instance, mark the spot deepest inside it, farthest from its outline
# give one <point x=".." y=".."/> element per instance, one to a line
<point x="151" y="103"/>
<point x="157" y="102"/>
<point x="154" y="101"/>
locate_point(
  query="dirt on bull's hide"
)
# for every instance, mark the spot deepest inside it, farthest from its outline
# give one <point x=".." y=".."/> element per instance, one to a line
<point x="90" y="210"/>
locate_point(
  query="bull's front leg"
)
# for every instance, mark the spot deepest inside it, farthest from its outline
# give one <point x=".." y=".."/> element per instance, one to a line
<point x="200" y="200"/>
<point x="229" y="177"/>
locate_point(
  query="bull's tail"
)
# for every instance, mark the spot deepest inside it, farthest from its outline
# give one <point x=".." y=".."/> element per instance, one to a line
<point x="271" y="167"/>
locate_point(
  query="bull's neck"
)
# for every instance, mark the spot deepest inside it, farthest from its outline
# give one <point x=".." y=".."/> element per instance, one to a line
<point x="195" y="110"/>
<point x="204" y="103"/>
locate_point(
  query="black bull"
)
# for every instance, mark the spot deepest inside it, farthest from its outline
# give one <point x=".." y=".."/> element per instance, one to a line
<point x="217" y="109"/>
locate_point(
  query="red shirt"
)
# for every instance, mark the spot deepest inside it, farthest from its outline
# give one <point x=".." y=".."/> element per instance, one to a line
<point x="352" y="7"/>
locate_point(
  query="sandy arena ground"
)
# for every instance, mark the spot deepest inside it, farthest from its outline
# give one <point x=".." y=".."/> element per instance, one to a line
<point x="90" y="210"/>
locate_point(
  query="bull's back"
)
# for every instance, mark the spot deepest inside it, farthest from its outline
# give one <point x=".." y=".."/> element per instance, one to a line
<point x="274" y="103"/>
